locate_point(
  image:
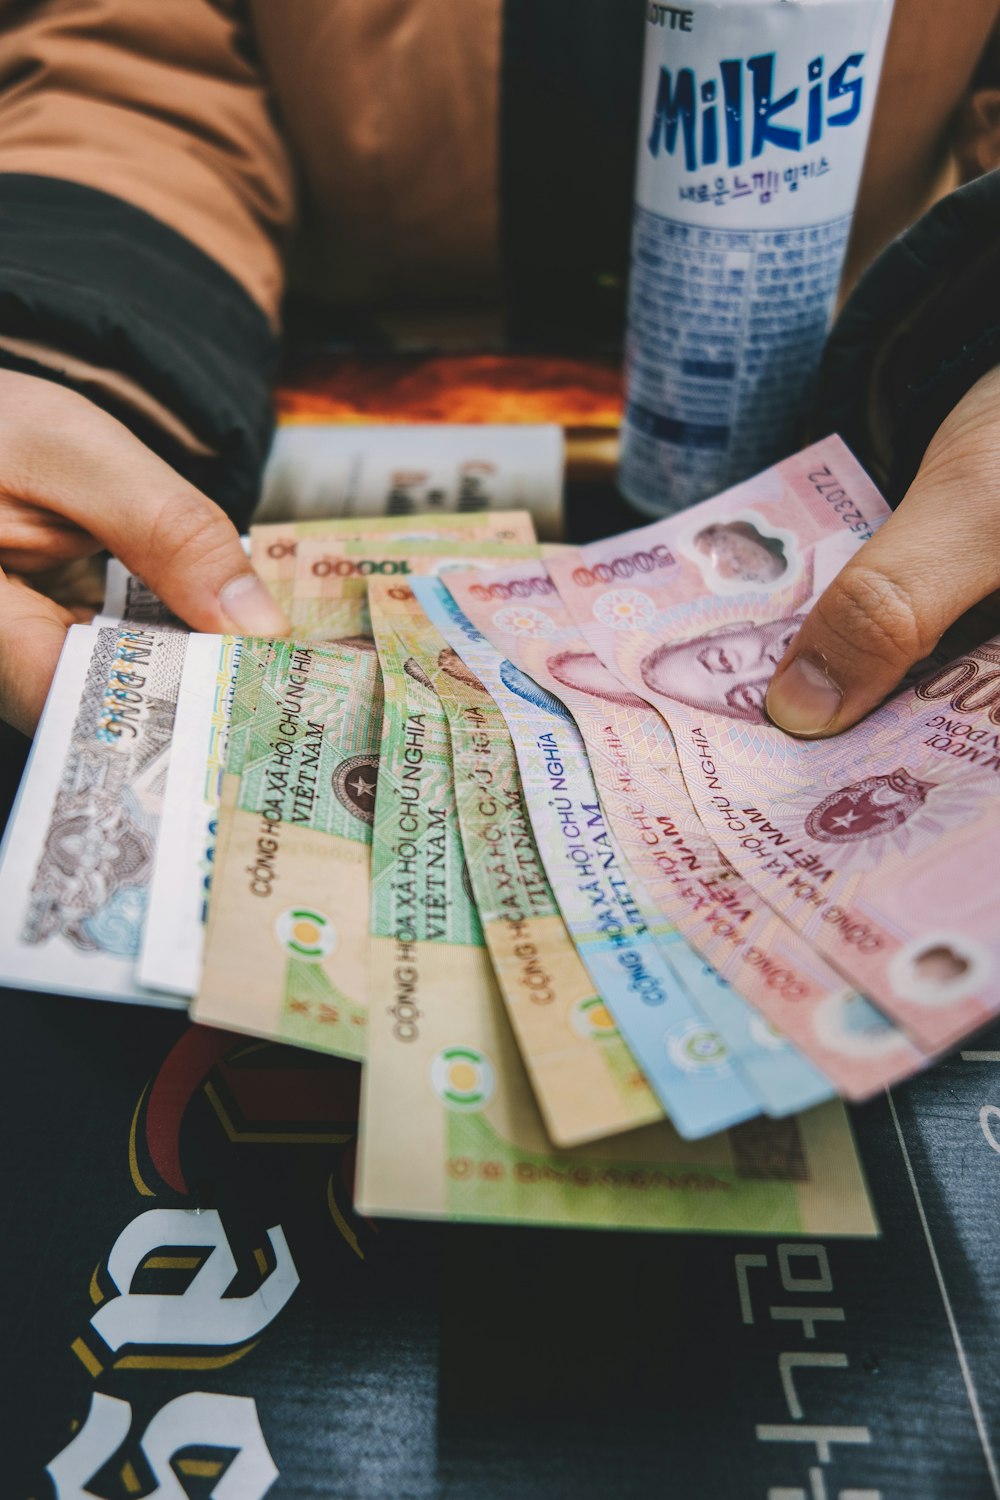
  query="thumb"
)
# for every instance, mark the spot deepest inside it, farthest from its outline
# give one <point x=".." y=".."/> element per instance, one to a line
<point x="933" y="559"/>
<point x="89" y="468"/>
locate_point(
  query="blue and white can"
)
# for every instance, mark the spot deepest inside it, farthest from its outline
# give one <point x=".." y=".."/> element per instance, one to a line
<point x="752" y="132"/>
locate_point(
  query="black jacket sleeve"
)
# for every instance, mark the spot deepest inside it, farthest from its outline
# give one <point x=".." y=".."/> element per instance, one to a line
<point x="921" y="327"/>
<point x="92" y="276"/>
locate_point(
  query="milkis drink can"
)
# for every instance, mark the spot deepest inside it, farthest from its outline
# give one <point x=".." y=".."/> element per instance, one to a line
<point x="753" y="124"/>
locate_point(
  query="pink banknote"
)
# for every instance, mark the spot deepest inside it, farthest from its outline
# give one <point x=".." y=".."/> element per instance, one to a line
<point x="725" y="918"/>
<point x="882" y="846"/>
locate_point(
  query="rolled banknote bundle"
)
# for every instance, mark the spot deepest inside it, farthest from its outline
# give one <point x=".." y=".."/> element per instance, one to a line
<point x="513" y="832"/>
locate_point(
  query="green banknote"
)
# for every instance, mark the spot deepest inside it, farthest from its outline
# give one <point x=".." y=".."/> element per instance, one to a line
<point x="586" y="1081"/>
<point x="287" y="945"/>
<point x="450" y="1128"/>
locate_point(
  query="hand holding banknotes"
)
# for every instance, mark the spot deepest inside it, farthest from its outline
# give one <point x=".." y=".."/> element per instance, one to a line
<point x="936" y="557"/>
<point x="74" y="481"/>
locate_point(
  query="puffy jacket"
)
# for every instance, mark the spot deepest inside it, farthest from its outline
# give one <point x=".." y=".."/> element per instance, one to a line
<point x="166" y="168"/>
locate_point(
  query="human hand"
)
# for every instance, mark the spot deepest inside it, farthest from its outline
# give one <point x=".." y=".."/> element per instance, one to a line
<point x="936" y="556"/>
<point x="73" y="480"/>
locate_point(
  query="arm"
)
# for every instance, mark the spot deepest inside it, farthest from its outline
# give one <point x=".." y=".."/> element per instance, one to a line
<point x="144" y="198"/>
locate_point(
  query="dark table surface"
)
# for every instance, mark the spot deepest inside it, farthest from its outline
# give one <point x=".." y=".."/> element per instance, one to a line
<point x="459" y="1361"/>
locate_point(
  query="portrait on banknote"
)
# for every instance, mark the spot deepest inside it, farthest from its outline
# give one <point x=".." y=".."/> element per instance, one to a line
<point x="726" y="671"/>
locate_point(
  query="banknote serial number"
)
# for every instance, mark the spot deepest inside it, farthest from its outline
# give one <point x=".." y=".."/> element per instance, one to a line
<point x="829" y="488"/>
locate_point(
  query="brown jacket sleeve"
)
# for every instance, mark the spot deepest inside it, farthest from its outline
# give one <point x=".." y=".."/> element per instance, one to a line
<point x="145" y="198"/>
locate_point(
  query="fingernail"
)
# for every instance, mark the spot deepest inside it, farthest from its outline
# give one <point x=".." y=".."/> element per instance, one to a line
<point x="251" y="609"/>
<point x="804" y="700"/>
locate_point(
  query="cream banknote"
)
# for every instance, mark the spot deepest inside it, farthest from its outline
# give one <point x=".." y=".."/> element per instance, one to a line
<point x="287" y="946"/>
<point x="631" y="756"/>
<point x="585" y="1080"/>
<point x="78" y="855"/>
<point x="684" y="1059"/>
<point x="450" y="1130"/>
<point x="173" y="937"/>
<point x="332" y="575"/>
<point x="879" y="845"/>
<point x="274" y="546"/>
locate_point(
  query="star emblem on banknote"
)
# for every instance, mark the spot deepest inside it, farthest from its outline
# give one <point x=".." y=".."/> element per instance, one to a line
<point x="873" y="806"/>
<point x="355" y="783"/>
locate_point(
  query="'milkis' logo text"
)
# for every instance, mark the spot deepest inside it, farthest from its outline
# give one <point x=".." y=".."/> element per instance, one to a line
<point x="750" y="108"/>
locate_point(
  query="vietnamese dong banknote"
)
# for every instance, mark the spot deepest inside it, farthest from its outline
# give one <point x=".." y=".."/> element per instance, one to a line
<point x="274" y="546"/>
<point x="286" y="953"/>
<point x="77" y="859"/>
<point x="791" y="986"/>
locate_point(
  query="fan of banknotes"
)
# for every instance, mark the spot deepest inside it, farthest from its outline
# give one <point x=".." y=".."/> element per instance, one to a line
<point x="509" y="825"/>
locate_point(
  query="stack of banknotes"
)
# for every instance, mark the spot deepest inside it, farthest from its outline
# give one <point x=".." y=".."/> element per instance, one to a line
<point x="509" y="825"/>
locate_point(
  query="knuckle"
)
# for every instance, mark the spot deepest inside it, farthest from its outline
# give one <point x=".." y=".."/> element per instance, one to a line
<point x="869" y="613"/>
